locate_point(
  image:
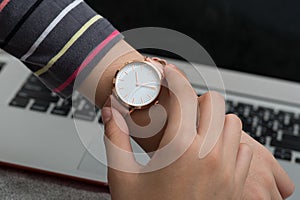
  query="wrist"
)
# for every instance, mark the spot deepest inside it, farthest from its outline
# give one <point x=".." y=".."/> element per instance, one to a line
<point x="98" y="90"/>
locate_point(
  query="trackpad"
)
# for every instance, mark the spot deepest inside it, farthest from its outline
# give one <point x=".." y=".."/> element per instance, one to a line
<point x="91" y="165"/>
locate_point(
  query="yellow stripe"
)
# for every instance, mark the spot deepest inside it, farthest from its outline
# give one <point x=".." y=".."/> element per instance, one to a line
<point x="68" y="45"/>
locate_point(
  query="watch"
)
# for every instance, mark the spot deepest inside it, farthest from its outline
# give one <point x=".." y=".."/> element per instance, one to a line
<point x="137" y="84"/>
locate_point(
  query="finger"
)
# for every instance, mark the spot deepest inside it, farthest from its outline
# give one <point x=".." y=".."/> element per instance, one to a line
<point x="117" y="142"/>
<point x="178" y="70"/>
<point x="275" y="193"/>
<point x="254" y="192"/>
<point x="182" y="105"/>
<point x="231" y="138"/>
<point x="284" y="183"/>
<point x="211" y="121"/>
<point x="243" y="162"/>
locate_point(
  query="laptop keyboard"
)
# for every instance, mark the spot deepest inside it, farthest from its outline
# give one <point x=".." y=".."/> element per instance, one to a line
<point x="35" y="95"/>
<point x="279" y="130"/>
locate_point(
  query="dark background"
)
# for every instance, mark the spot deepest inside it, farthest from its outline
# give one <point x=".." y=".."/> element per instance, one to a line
<point x="253" y="36"/>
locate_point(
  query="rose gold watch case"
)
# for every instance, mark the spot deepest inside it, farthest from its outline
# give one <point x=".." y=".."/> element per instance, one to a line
<point x="147" y="61"/>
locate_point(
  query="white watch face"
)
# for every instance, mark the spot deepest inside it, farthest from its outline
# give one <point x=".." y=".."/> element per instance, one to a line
<point x="138" y="84"/>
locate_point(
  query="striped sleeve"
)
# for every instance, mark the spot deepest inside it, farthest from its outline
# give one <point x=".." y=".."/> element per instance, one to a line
<point x="58" y="40"/>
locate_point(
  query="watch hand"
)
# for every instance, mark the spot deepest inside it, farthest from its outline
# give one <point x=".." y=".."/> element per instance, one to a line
<point x="140" y="85"/>
<point x="149" y="83"/>
<point x="131" y="94"/>
<point x="148" y="86"/>
<point x="136" y="79"/>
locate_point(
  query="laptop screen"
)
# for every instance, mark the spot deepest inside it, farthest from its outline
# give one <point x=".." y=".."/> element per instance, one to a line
<point x="254" y="36"/>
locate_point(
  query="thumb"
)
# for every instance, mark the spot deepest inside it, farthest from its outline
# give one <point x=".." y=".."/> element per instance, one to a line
<point x="117" y="141"/>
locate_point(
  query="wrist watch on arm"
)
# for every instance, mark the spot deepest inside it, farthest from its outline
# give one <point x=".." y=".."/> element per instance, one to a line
<point x="137" y="84"/>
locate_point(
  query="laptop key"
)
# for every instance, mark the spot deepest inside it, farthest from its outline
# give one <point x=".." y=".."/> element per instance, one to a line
<point x="297" y="160"/>
<point x="44" y="96"/>
<point x="19" y="102"/>
<point x="250" y="130"/>
<point x="67" y="103"/>
<point x="288" y="128"/>
<point x="268" y="132"/>
<point x="88" y="116"/>
<point x="283" y="154"/>
<point x="263" y="111"/>
<point x="40" y="106"/>
<point x="35" y="88"/>
<point x="87" y="113"/>
<point x="284" y="132"/>
<point x="261" y="140"/>
<point x="229" y="106"/>
<point x="291" y="138"/>
<point x="268" y="124"/>
<point x="61" y="110"/>
<point x="286" y="144"/>
<point x="286" y="113"/>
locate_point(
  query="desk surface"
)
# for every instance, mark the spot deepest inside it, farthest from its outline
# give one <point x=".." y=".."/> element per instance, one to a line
<point x="19" y="184"/>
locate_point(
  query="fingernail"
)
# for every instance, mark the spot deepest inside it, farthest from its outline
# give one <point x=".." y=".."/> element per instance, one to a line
<point x="106" y="114"/>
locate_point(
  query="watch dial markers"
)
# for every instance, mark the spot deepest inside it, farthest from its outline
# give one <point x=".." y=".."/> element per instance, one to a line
<point x="138" y="84"/>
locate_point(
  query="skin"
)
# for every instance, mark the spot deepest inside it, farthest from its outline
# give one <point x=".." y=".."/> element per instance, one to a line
<point x="220" y="175"/>
<point x="268" y="182"/>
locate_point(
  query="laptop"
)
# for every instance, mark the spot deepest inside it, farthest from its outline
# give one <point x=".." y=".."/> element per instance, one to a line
<point x="254" y="47"/>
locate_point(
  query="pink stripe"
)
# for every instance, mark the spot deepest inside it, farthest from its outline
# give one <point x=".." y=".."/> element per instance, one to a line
<point x="3" y="4"/>
<point x="87" y="61"/>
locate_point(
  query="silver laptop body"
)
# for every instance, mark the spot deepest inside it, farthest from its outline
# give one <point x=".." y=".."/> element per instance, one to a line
<point x="45" y="138"/>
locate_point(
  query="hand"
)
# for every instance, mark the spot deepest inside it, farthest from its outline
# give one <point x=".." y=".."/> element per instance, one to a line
<point x="269" y="181"/>
<point x="219" y="175"/>
<point x="266" y="178"/>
